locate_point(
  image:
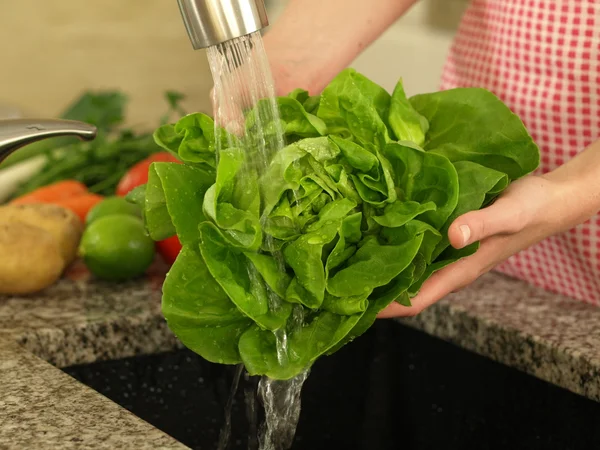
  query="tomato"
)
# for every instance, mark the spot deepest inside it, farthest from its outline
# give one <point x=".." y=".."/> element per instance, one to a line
<point x="138" y="174"/>
<point x="169" y="249"/>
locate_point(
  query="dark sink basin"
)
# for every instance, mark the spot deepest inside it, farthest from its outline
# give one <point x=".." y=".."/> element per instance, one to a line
<point x="393" y="388"/>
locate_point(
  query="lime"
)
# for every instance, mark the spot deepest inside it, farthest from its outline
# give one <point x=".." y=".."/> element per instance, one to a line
<point x="112" y="205"/>
<point x="116" y="247"/>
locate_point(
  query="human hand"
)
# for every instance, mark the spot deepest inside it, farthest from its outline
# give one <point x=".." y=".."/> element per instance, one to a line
<point x="530" y="210"/>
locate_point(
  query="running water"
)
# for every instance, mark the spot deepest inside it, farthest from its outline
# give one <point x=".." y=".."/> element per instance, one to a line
<point x="281" y="400"/>
<point x="243" y="82"/>
<point x="226" y="429"/>
<point x="250" y="391"/>
<point x="242" y="78"/>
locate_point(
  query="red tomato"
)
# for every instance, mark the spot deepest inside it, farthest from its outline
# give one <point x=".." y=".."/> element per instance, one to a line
<point x="138" y="174"/>
<point x="169" y="249"/>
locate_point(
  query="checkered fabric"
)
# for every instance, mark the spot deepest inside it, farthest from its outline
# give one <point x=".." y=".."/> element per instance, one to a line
<point x="542" y="58"/>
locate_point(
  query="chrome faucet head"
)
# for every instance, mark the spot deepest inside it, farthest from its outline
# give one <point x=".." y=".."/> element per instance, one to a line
<point x="16" y="133"/>
<point x="212" y="22"/>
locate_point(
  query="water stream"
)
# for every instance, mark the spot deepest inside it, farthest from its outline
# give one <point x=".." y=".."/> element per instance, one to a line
<point x="242" y="82"/>
<point x="281" y="401"/>
<point x="226" y="429"/>
<point x="242" y="77"/>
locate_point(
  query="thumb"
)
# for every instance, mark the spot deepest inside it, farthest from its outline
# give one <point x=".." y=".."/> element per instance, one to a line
<point x="502" y="217"/>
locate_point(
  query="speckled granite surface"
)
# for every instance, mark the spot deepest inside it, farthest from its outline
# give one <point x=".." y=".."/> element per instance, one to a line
<point x="551" y="337"/>
<point x="43" y="408"/>
<point x="79" y="322"/>
<point x="75" y="322"/>
<point x="546" y="335"/>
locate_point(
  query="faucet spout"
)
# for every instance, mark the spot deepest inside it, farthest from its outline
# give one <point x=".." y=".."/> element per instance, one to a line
<point x="16" y="133"/>
<point x="212" y="22"/>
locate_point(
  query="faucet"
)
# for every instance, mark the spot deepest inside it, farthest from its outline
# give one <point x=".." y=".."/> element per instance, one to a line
<point x="212" y="22"/>
<point x="16" y="133"/>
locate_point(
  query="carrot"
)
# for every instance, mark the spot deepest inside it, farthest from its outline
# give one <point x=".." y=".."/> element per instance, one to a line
<point x="80" y="204"/>
<point x="53" y="192"/>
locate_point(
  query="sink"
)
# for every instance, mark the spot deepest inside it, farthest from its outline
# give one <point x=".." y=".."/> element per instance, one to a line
<point x="393" y="388"/>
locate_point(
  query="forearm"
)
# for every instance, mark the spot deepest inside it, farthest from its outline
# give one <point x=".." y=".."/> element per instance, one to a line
<point x="579" y="181"/>
<point x="314" y="39"/>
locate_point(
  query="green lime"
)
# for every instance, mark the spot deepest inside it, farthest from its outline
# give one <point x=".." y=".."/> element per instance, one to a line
<point x="112" y="205"/>
<point x="117" y="248"/>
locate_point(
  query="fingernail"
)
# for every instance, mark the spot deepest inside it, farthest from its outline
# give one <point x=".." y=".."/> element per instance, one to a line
<point x="466" y="233"/>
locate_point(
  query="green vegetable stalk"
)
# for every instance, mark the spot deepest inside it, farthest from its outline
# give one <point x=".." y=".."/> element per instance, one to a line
<point x="355" y="209"/>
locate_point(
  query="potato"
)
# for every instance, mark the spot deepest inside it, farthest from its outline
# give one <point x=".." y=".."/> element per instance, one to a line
<point x="62" y="223"/>
<point x="31" y="258"/>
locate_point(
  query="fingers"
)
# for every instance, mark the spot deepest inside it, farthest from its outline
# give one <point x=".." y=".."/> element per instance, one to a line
<point x="503" y="217"/>
<point x="454" y="277"/>
<point x="440" y="284"/>
<point x="517" y="220"/>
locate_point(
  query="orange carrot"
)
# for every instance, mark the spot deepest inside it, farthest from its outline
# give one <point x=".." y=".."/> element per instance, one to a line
<point x="80" y="204"/>
<point x="53" y="192"/>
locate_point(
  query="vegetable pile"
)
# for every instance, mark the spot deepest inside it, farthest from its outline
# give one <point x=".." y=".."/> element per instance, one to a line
<point x="355" y="209"/>
<point x="84" y="180"/>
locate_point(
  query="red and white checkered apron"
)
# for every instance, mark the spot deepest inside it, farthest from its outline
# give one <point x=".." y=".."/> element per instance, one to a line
<point x="542" y="58"/>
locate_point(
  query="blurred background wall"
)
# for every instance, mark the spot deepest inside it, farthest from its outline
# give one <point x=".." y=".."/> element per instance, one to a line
<point x="51" y="51"/>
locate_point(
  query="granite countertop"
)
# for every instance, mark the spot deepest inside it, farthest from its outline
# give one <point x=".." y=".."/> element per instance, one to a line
<point x="81" y="321"/>
<point x="75" y="322"/>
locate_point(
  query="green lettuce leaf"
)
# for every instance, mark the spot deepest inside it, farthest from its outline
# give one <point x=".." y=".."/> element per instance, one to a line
<point x="425" y="177"/>
<point x="319" y="333"/>
<point x="293" y="258"/>
<point x="406" y="123"/>
<point x="353" y="106"/>
<point x="472" y="124"/>
<point x="199" y="312"/>
<point x="239" y="278"/>
<point x="183" y="189"/>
